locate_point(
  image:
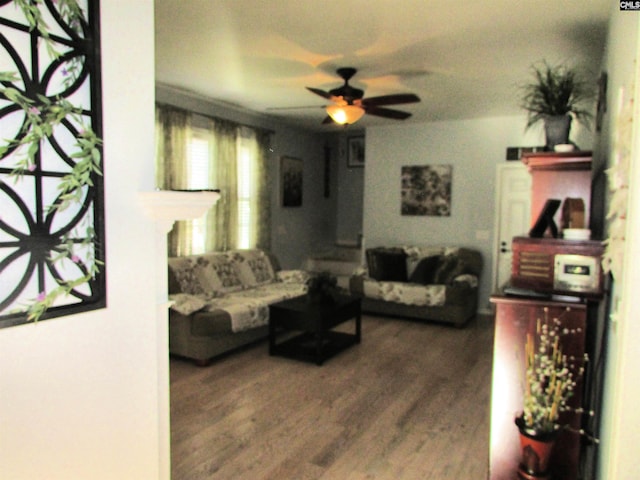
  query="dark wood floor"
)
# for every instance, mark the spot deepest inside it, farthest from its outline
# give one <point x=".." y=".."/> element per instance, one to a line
<point x="410" y="402"/>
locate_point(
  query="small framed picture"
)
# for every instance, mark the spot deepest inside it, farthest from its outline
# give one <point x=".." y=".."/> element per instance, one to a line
<point x="291" y="181"/>
<point x="355" y="152"/>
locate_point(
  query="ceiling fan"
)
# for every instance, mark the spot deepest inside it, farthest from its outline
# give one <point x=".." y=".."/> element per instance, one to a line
<point x="349" y="105"/>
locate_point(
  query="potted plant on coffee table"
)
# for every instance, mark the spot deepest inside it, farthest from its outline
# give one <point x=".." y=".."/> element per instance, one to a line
<point x="322" y="287"/>
<point x="556" y="96"/>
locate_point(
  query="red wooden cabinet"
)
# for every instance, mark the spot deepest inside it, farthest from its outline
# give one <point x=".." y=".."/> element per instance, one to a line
<point x="514" y="318"/>
<point x="534" y="266"/>
<point x="561" y="176"/>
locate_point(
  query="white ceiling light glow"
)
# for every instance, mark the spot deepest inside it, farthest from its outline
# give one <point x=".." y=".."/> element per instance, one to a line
<point x="345" y="114"/>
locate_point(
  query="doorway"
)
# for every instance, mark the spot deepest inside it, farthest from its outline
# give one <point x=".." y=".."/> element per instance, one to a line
<point x="513" y="216"/>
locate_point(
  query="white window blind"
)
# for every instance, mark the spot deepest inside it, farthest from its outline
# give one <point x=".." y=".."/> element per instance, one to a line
<point x="245" y="188"/>
<point x="199" y="153"/>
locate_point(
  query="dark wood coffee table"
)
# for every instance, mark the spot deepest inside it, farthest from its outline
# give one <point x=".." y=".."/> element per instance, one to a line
<point x="317" y="341"/>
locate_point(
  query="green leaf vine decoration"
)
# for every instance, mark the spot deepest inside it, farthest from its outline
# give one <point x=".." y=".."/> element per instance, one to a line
<point x="42" y="116"/>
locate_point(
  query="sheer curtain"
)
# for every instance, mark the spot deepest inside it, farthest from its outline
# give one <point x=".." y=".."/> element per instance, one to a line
<point x="222" y="229"/>
<point x="175" y="131"/>
<point x="258" y="144"/>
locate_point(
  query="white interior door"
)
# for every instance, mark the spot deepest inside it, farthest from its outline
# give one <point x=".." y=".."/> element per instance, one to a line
<point x="513" y="218"/>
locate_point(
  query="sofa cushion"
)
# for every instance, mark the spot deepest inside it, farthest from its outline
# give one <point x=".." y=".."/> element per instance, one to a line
<point x="250" y="308"/>
<point x="425" y="270"/>
<point x="387" y="264"/>
<point x="405" y="293"/>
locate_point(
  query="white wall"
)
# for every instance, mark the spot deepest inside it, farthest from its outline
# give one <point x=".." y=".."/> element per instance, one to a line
<point x="619" y="434"/>
<point x="350" y="191"/>
<point x="473" y="148"/>
<point x="79" y="394"/>
<point x="297" y="232"/>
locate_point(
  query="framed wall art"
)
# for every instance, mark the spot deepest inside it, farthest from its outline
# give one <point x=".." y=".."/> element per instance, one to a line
<point x="52" y="239"/>
<point x="291" y="181"/>
<point x="426" y="190"/>
<point x="355" y="152"/>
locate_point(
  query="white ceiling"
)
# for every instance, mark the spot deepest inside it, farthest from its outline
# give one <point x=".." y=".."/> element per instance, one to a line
<point x="463" y="58"/>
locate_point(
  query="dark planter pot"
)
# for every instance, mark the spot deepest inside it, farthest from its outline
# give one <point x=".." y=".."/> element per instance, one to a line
<point x="320" y="297"/>
<point x="556" y="130"/>
<point x="536" y="451"/>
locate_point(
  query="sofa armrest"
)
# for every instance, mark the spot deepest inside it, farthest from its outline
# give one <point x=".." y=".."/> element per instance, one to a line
<point x="466" y="279"/>
<point x="460" y="294"/>
<point x="293" y="276"/>
<point x="186" y="304"/>
<point x="356" y="285"/>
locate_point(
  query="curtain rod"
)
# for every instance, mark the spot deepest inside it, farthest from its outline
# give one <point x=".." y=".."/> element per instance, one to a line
<point x="213" y="117"/>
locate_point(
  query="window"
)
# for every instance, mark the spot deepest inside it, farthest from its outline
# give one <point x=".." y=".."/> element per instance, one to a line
<point x="199" y="167"/>
<point x="198" y="152"/>
<point x="246" y="180"/>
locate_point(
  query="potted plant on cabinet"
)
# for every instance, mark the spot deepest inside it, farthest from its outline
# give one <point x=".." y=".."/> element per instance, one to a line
<point x="556" y="95"/>
<point x="550" y="379"/>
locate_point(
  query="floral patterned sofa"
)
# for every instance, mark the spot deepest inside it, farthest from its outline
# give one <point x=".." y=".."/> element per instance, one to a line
<point x="221" y="300"/>
<point x="427" y="283"/>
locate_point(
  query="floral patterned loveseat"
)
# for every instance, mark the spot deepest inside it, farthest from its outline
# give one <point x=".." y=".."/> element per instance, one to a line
<point x="427" y="283"/>
<point x="221" y="300"/>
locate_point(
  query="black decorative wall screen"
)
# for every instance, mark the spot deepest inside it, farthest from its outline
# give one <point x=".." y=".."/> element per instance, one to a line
<point x="51" y="191"/>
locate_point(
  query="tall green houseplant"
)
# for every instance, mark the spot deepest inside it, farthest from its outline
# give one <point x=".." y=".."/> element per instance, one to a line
<point x="555" y="96"/>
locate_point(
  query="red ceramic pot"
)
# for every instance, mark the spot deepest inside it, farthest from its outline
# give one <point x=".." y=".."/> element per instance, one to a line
<point x="536" y="450"/>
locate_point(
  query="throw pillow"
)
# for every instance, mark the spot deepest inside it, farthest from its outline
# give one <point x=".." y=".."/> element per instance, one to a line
<point x="253" y="267"/>
<point x="185" y="271"/>
<point x="415" y="254"/>
<point x="450" y="266"/>
<point x="425" y="270"/>
<point x="387" y="265"/>
<point x="228" y="275"/>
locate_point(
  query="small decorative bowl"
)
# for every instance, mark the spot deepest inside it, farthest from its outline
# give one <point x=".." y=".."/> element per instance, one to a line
<point x="576" y="233"/>
<point x="564" y="147"/>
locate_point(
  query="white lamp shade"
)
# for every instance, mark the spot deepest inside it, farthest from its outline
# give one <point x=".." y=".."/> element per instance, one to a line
<point x="345" y="114"/>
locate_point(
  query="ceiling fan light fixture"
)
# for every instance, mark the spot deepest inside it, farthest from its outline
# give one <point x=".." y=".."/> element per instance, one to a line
<point x="345" y="114"/>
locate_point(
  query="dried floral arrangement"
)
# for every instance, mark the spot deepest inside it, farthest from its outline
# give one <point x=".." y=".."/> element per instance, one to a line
<point x="550" y="375"/>
<point x="42" y="116"/>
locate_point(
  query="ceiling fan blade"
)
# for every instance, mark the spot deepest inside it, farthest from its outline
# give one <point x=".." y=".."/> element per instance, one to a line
<point x="301" y="107"/>
<point x="391" y="99"/>
<point x="322" y="93"/>
<point x="387" y="113"/>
